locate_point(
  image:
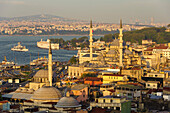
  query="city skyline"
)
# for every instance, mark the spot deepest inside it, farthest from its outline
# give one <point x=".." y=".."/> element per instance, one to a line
<point x="108" y="11"/>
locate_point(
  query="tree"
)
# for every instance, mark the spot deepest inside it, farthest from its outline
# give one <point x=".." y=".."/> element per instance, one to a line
<point x="73" y="60"/>
<point x="168" y="25"/>
<point x="88" y="75"/>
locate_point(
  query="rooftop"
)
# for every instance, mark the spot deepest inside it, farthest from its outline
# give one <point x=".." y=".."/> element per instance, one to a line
<point x="113" y="75"/>
<point x="109" y="96"/>
<point x="79" y="87"/>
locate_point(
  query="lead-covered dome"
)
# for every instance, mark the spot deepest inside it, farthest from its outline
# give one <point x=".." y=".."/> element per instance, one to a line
<point x="47" y="94"/>
<point x="41" y="74"/>
<point x="67" y="102"/>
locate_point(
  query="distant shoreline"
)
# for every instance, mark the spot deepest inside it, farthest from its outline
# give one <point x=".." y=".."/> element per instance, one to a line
<point x="54" y="35"/>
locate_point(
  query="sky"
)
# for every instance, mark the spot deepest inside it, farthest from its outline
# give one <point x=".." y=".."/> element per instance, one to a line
<point x="108" y="11"/>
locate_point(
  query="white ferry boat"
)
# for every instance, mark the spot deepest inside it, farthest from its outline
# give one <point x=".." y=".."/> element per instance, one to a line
<point x="19" y="47"/>
<point x="45" y="45"/>
<point x="39" y="61"/>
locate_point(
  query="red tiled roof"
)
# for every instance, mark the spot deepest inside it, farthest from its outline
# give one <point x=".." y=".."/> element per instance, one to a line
<point x="111" y="90"/>
<point x="98" y="110"/>
<point x="135" y="84"/>
<point x="136" y="68"/>
<point x="154" y="90"/>
<point x="5" y="101"/>
<point x="149" y="49"/>
<point x="93" y="79"/>
<point x="113" y="75"/>
<point x="161" y="47"/>
<point x="166" y="88"/>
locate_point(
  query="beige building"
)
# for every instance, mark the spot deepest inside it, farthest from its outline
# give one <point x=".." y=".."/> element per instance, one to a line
<point x="152" y="84"/>
<point x="133" y="73"/>
<point x="109" y="78"/>
<point x="157" y="75"/>
<point x="78" y="70"/>
<point x="112" y="102"/>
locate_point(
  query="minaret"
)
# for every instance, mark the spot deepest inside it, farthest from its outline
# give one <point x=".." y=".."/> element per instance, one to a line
<point x="50" y="71"/>
<point x="121" y="44"/>
<point x="91" y="41"/>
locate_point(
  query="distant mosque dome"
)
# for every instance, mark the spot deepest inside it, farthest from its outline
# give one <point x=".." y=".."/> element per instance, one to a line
<point x="47" y="94"/>
<point x="67" y="102"/>
<point x="128" y="52"/>
<point x="41" y="74"/>
<point x="115" y="42"/>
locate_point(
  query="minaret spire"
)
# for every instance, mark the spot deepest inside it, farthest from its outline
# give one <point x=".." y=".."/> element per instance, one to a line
<point x="121" y="44"/>
<point x="50" y="71"/>
<point x="120" y="23"/>
<point x="90" y="23"/>
<point x="91" y="41"/>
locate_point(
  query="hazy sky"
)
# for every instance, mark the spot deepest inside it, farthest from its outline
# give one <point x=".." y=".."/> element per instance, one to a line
<point x="99" y="10"/>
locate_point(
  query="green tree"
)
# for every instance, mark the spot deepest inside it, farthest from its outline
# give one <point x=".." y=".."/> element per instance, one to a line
<point x="168" y="25"/>
<point x="88" y="75"/>
<point x="73" y="60"/>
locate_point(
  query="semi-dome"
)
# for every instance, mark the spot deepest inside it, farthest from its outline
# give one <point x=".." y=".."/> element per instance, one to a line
<point x="128" y="52"/>
<point x="24" y="90"/>
<point x="18" y="90"/>
<point x="47" y="94"/>
<point x="67" y="102"/>
<point x="41" y="74"/>
<point x="30" y="91"/>
<point x="111" y="52"/>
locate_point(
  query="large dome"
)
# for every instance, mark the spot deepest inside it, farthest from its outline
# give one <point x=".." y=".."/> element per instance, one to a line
<point x="67" y="102"/>
<point x="41" y="74"/>
<point x="47" y="94"/>
<point x="115" y="42"/>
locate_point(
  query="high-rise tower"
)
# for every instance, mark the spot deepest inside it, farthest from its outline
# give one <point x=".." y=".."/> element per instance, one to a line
<point x="120" y="44"/>
<point x="50" y="71"/>
<point x="91" y="41"/>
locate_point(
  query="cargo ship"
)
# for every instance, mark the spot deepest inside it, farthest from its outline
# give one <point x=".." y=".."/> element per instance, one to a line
<point x="45" y="45"/>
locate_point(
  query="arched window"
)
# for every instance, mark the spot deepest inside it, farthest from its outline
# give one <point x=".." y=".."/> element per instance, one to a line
<point x="111" y="101"/>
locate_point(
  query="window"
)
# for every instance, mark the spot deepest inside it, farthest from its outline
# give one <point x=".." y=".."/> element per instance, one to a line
<point x="111" y="101"/>
<point x="148" y="84"/>
<point x="103" y="100"/>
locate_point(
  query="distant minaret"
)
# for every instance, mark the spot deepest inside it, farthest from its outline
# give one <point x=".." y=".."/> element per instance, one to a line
<point x="152" y="20"/>
<point x="121" y="44"/>
<point x="91" y="41"/>
<point x="50" y="72"/>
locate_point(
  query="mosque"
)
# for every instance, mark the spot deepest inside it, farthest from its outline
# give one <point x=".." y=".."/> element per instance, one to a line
<point x="116" y="54"/>
<point x="40" y="95"/>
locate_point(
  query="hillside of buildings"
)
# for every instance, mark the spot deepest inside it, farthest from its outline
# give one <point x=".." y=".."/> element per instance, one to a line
<point x="158" y="35"/>
<point x="39" y="18"/>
